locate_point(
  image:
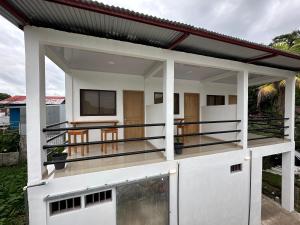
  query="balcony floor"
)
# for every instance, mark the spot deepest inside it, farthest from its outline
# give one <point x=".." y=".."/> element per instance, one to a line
<point x="95" y="165"/>
<point x="264" y="142"/>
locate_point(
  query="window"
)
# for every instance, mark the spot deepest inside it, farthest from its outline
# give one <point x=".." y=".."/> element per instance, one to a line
<point x="232" y="99"/>
<point x="236" y="168"/>
<point x="65" y="205"/>
<point x="215" y="100"/>
<point x="158" y="98"/>
<point x="98" y="197"/>
<point x="97" y="103"/>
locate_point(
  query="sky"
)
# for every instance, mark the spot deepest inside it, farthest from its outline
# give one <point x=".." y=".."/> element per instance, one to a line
<point x="253" y="20"/>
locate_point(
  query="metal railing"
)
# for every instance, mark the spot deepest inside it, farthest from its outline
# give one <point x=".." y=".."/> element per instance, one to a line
<point x="64" y="130"/>
<point x="267" y="127"/>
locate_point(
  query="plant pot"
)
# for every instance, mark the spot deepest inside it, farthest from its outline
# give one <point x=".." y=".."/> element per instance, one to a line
<point x="58" y="157"/>
<point x="178" y="148"/>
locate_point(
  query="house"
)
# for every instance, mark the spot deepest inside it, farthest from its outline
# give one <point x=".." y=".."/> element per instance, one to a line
<point x="141" y="79"/>
<point x="16" y="105"/>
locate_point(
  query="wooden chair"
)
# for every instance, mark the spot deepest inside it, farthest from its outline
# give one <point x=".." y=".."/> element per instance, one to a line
<point x="74" y="134"/>
<point x="181" y="128"/>
<point x="114" y="136"/>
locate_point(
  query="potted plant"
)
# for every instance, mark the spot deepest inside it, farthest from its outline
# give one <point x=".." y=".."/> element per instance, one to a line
<point x="59" y="155"/>
<point x="178" y="146"/>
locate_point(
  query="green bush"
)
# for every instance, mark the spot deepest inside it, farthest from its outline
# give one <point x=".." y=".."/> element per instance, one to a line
<point x="12" y="206"/>
<point x="9" y="141"/>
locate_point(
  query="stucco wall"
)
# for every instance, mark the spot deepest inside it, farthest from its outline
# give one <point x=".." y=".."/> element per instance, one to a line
<point x="210" y="194"/>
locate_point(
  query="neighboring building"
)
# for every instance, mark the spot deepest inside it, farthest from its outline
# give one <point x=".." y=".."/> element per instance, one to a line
<point x="136" y="71"/>
<point x="16" y="106"/>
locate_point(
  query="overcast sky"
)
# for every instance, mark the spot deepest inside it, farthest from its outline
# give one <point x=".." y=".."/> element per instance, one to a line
<point x="253" y="20"/>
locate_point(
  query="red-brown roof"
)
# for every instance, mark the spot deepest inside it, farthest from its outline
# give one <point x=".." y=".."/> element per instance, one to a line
<point x="21" y="100"/>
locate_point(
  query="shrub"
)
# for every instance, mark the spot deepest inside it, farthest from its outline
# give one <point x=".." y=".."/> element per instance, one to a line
<point x="9" y="142"/>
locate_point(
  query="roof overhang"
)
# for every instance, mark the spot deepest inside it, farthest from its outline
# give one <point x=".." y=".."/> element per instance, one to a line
<point x="96" y="19"/>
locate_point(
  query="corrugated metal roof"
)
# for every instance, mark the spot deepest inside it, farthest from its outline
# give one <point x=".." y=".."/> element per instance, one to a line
<point x="96" y="19"/>
<point x="21" y="100"/>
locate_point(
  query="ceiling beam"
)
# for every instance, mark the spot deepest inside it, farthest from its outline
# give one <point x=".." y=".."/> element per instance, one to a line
<point x="14" y="12"/>
<point x="180" y="39"/>
<point x="58" y="60"/>
<point x="218" y="77"/>
<point x="155" y="68"/>
<point x="264" y="80"/>
<point x="261" y="57"/>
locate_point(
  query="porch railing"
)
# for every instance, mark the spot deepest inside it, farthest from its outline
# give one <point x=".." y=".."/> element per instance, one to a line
<point x="64" y="130"/>
<point x="267" y="127"/>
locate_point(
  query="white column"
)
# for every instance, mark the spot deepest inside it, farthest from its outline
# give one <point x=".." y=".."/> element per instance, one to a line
<point x="69" y="97"/>
<point x="173" y="197"/>
<point x="288" y="180"/>
<point x="168" y="83"/>
<point x="242" y="107"/>
<point x="35" y="106"/>
<point x="256" y="186"/>
<point x="289" y="111"/>
<point x="288" y="159"/>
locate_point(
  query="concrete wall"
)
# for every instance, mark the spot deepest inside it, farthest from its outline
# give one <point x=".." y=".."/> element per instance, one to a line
<point x="222" y="112"/>
<point x="210" y="194"/>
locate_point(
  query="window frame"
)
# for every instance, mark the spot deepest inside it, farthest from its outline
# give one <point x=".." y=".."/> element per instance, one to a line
<point x="99" y="113"/>
<point x="215" y="100"/>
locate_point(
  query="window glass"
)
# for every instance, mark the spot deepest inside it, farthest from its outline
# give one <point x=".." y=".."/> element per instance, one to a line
<point x="107" y="103"/>
<point x="97" y="103"/>
<point x="215" y="100"/>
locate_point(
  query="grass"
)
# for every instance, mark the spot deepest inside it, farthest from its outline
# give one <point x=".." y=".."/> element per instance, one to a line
<point x="12" y="206"/>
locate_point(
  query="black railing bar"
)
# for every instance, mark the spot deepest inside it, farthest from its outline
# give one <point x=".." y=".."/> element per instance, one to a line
<point x="258" y="129"/>
<point x="206" y="133"/>
<point x="258" y="138"/>
<point x="206" y="122"/>
<point x="212" y="143"/>
<point x="56" y="124"/>
<point x="265" y="124"/>
<point x="102" y="142"/>
<point x="56" y="136"/>
<point x="268" y="130"/>
<point x="103" y="127"/>
<point x="268" y="117"/>
<point x="273" y="132"/>
<point x="104" y="156"/>
<point x="254" y="120"/>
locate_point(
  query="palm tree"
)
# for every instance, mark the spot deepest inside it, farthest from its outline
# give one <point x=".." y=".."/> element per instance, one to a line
<point x="275" y="91"/>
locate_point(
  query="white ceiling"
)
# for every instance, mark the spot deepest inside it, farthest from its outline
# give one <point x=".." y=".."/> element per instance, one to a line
<point x="103" y="62"/>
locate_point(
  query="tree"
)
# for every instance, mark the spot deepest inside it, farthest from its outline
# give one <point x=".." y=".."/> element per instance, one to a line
<point x="275" y="92"/>
<point x="4" y="96"/>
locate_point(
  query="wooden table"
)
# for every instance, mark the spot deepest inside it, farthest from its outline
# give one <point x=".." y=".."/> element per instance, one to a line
<point x="80" y="122"/>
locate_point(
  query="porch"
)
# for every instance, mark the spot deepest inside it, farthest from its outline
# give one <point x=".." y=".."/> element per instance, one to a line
<point x="138" y="98"/>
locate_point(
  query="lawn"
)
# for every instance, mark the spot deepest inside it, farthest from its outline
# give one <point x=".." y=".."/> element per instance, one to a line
<point x="12" y="207"/>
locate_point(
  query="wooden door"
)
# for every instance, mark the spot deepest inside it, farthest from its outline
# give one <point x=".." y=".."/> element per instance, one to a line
<point x="191" y="112"/>
<point x="133" y="110"/>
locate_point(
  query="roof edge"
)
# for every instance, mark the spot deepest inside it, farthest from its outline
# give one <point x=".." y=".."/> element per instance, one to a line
<point x="180" y="27"/>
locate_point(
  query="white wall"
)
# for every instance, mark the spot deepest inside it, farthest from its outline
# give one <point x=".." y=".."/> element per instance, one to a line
<point x="155" y="114"/>
<point x="220" y="112"/>
<point x="108" y="81"/>
<point x="103" y="81"/>
<point x="209" y="194"/>
<point x="101" y="213"/>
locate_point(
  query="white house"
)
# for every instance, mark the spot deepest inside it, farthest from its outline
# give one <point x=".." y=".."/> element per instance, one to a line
<point x="145" y="77"/>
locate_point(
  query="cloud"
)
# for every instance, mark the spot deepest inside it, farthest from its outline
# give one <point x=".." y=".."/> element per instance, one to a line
<point x="254" y="20"/>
